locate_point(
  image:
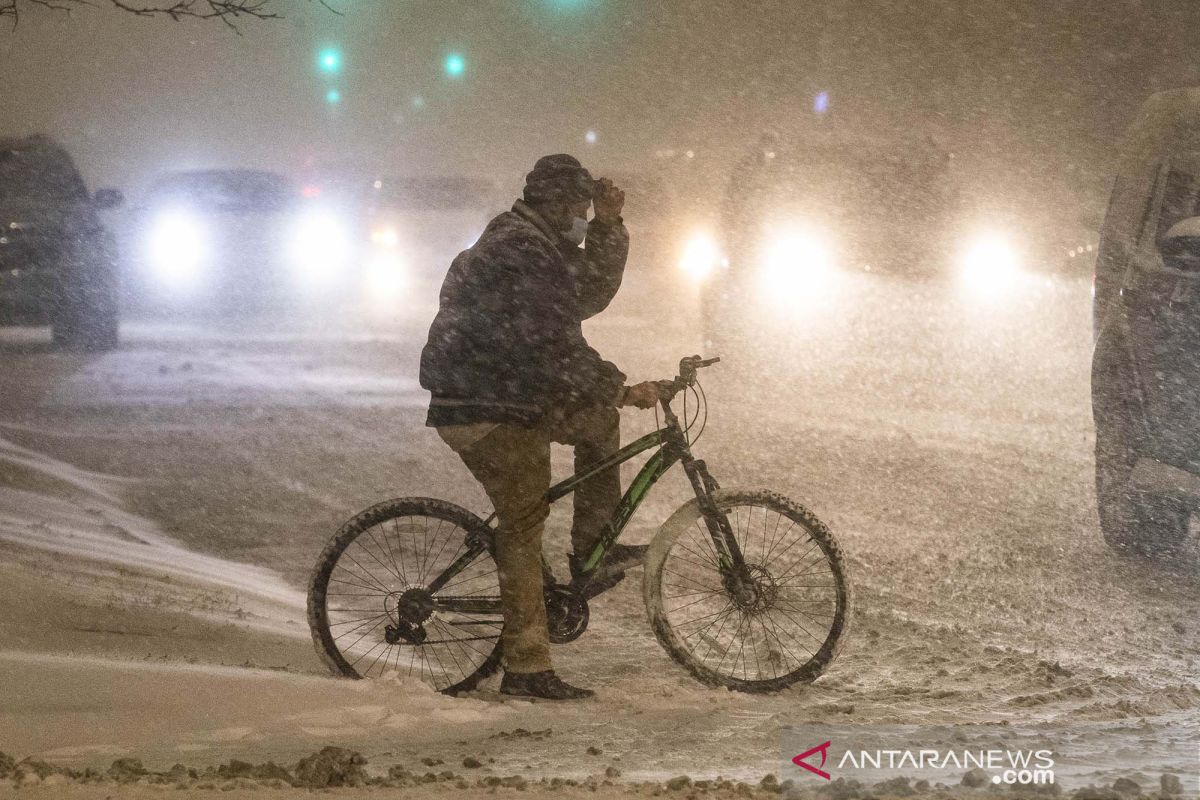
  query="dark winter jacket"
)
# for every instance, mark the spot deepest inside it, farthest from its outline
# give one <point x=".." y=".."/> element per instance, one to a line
<point x="507" y="343"/>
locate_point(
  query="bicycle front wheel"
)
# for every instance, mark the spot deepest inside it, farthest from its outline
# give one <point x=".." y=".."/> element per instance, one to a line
<point x="409" y="587"/>
<point x="786" y="631"/>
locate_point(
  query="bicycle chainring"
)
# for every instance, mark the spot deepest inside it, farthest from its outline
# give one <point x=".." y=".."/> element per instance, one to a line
<point x="567" y="614"/>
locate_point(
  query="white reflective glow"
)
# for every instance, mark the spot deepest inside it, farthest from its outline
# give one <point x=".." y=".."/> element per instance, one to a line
<point x="385" y="237"/>
<point x="321" y="248"/>
<point x="700" y="257"/>
<point x="176" y="249"/>
<point x="991" y="266"/>
<point x="797" y="262"/>
<point x="386" y="278"/>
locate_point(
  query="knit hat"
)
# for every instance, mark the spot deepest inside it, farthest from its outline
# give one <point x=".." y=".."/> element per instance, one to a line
<point x="558" y="178"/>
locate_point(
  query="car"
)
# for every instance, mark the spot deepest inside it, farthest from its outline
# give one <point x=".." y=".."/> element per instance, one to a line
<point x="800" y="214"/>
<point x="237" y="243"/>
<point x="416" y="225"/>
<point x="57" y="259"/>
<point x="1146" y="318"/>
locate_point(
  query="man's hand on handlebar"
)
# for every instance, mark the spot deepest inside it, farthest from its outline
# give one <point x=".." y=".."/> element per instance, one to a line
<point x="648" y="393"/>
<point x="642" y="395"/>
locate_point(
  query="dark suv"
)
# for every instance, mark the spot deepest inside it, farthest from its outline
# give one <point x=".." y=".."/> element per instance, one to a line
<point x="1146" y="365"/>
<point x="57" y="261"/>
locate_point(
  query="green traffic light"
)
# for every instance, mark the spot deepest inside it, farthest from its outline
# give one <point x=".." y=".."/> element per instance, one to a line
<point x="455" y="65"/>
<point x="329" y="60"/>
<point x="333" y="97"/>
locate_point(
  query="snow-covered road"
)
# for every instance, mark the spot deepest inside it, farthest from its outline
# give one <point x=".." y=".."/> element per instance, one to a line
<point x="177" y="491"/>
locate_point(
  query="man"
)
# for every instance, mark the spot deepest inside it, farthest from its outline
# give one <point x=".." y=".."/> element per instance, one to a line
<point x="510" y="372"/>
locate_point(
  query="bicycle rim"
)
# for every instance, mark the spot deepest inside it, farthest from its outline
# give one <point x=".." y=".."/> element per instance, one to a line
<point x="787" y="632"/>
<point x="371" y="610"/>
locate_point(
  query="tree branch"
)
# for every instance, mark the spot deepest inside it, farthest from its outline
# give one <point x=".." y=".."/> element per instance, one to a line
<point x="227" y="11"/>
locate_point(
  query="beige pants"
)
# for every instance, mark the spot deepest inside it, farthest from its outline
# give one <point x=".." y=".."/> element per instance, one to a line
<point x="513" y="465"/>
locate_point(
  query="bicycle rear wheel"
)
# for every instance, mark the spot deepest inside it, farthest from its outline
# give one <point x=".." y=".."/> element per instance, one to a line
<point x="786" y="632"/>
<point x="409" y="587"/>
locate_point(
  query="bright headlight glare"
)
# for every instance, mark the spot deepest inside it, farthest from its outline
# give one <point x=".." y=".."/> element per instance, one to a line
<point x="385" y="279"/>
<point x="385" y="237"/>
<point x="700" y="257"/>
<point x="991" y="265"/>
<point x="321" y="247"/>
<point x="797" y="261"/>
<point x="175" y="248"/>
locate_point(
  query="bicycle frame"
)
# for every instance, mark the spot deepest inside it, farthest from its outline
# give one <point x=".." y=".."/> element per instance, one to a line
<point x="673" y="447"/>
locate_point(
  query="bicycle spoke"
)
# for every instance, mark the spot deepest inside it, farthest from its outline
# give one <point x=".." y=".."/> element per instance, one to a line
<point x="776" y="542"/>
<point x="688" y="578"/>
<point x="370" y="575"/>
<point x="365" y="635"/>
<point x="360" y="627"/>
<point x="711" y="561"/>
<point x="399" y="545"/>
<point x="686" y="594"/>
<point x="686" y="605"/>
<point x="764" y="621"/>
<point x="391" y="570"/>
<point x="375" y="591"/>
<point x="473" y="577"/>
<point x="801" y="627"/>
<point x="802" y="562"/>
<point x="360" y="619"/>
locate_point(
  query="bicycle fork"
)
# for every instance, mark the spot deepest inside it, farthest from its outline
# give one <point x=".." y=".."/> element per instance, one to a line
<point x="735" y="574"/>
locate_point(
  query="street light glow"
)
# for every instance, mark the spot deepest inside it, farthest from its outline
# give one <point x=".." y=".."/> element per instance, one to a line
<point x="456" y="65"/>
<point x="329" y="60"/>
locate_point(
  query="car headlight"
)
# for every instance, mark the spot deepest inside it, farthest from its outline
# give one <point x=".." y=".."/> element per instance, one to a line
<point x="991" y="266"/>
<point x="386" y="277"/>
<point x="796" y="262"/>
<point x="321" y="248"/>
<point x="175" y="247"/>
<point x="700" y="257"/>
<point x="385" y="237"/>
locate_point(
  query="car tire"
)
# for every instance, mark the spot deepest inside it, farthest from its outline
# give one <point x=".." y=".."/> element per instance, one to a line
<point x="88" y="315"/>
<point x="90" y="325"/>
<point x="1133" y="523"/>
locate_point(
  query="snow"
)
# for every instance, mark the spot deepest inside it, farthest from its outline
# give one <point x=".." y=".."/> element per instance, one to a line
<point x="157" y="527"/>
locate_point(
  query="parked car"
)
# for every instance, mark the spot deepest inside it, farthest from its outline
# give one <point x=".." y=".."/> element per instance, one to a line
<point x="236" y="242"/>
<point x="1146" y="366"/>
<point x="57" y="260"/>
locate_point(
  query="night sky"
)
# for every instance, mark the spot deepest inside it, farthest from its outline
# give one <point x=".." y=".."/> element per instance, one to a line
<point x="1033" y="95"/>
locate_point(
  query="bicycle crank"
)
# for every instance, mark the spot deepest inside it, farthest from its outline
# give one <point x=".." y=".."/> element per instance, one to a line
<point x="567" y="614"/>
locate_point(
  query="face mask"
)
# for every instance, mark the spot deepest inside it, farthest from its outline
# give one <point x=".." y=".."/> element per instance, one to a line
<point x="578" y="231"/>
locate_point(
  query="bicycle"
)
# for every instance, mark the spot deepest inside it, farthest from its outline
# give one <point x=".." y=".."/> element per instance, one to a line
<point x="713" y="578"/>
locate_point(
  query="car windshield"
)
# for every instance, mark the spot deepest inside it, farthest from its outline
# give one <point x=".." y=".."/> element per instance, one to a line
<point x="432" y="194"/>
<point x="226" y="191"/>
<point x="1181" y="192"/>
<point x="854" y="177"/>
<point x="38" y="173"/>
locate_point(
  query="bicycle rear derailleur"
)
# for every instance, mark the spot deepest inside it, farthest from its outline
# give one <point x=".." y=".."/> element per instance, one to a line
<point x="409" y="610"/>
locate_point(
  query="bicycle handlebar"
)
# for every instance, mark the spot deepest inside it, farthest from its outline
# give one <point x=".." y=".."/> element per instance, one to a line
<point x="688" y="367"/>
